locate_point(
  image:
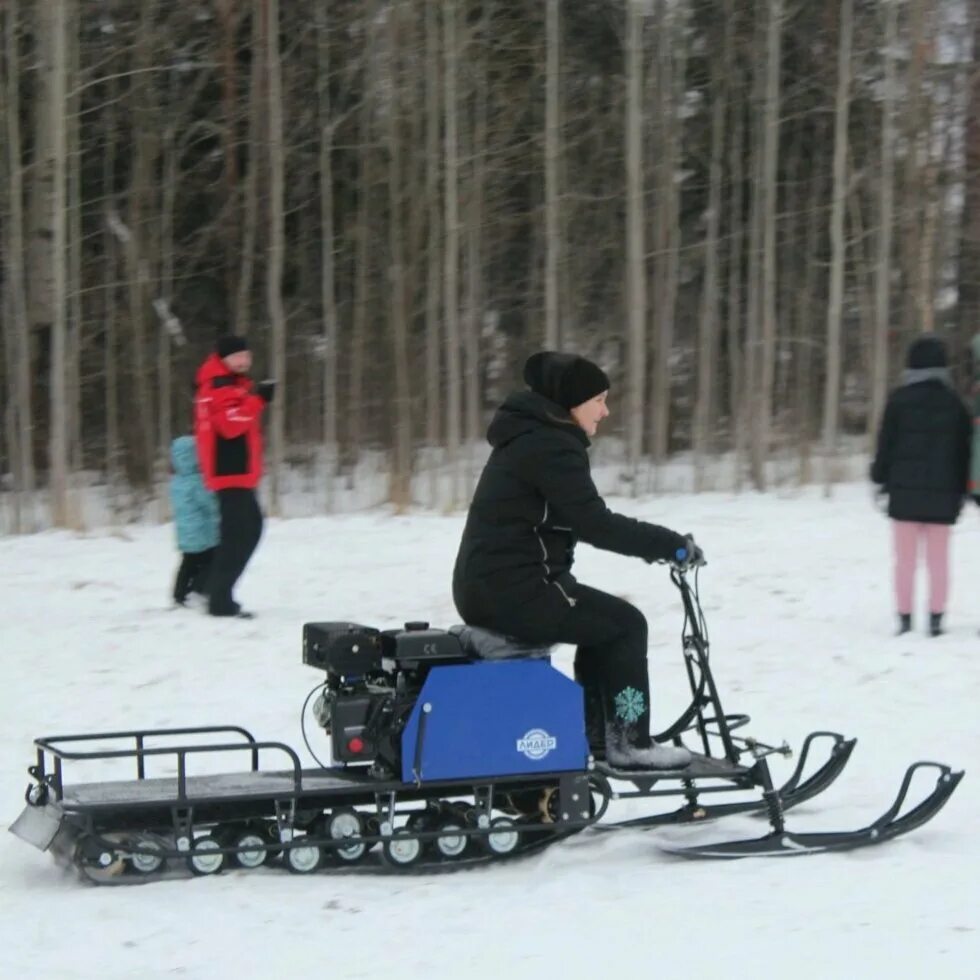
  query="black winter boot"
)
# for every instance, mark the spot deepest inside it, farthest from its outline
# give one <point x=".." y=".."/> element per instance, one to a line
<point x="595" y="722"/>
<point x="936" y="624"/>
<point x="904" y="623"/>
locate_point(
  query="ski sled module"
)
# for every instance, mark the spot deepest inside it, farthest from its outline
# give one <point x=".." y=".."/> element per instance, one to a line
<point x="448" y="748"/>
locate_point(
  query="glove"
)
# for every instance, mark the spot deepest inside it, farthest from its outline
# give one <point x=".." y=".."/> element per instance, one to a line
<point x="689" y="556"/>
<point x="266" y="390"/>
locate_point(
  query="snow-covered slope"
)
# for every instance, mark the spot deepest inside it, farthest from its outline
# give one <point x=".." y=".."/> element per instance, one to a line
<point x="798" y="600"/>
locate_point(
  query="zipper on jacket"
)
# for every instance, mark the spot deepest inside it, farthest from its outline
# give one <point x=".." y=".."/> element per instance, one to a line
<point x="568" y="598"/>
<point x="544" y="560"/>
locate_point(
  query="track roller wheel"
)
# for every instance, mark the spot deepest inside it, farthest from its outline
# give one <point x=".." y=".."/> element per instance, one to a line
<point x="303" y="859"/>
<point x="342" y="824"/>
<point x="97" y="861"/>
<point x="209" y="860"/>
<point x="144" y="863"/>
<point x="402" y="850"/>
<point x="451" y="842"/>
<point x="251" y="848"/>
<point x="503" y="837"/>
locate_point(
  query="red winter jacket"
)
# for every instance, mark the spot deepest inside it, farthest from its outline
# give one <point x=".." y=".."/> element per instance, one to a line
<point x="227" y="427"/>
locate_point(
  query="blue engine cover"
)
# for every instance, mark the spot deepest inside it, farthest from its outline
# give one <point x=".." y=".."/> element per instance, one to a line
<point x="495" y="719"/>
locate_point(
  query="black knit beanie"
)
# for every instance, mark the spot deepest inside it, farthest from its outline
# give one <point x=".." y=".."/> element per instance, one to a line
<point x="566" y="379"/>
<point x="230" y="345"/>
<point x="927" y="352"/>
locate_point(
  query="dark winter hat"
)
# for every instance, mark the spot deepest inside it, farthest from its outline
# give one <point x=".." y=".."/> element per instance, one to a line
<point x="230" y="345"/>
<point x="927" y="352"/>
<point x="566" y="379"/>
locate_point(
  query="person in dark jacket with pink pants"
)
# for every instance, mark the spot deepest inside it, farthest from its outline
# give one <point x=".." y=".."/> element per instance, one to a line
<point x="922" y="463"/>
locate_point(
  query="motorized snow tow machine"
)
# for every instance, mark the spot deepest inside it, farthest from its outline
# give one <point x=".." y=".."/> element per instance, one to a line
<point x="450" y="748"/>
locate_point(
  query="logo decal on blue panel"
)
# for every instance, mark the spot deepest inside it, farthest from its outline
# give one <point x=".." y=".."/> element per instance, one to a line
<point x="536" y="743"/>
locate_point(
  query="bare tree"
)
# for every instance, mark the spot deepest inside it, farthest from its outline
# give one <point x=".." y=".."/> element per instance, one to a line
<point x="276" y="232"/>
<point x="552" y="149"/>
<point x="433" y="380"/>
<point x="838" y="248"/>
<point x="636" y="299"/>
<point x="883" y="261"/>
<point x="710" y="295"/>
<point x="474" y="252"/>
<point x="670" y="84"/>
<point x="770" y="160"/>
<point x="969" y="239"/>
<point x="17" y="324"/>
<point x="451" y="254"/>
<point x="401" y="470"/>
<point x="54" y="41"/>
<point x="328" y="294"/>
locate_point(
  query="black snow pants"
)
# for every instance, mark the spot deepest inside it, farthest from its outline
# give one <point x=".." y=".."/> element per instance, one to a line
<point x="611" y="656"/>
<point x="192" y="576"/>
<point x="241" y="528"/>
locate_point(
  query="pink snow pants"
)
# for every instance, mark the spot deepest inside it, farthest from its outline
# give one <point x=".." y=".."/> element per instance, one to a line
<point x="907" y="536"/>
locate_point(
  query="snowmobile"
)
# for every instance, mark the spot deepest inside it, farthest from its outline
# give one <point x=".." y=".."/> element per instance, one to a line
<point x="449" y="748"/>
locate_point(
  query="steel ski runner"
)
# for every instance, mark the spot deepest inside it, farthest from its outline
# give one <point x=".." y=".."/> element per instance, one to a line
<point x="450" y="748"/>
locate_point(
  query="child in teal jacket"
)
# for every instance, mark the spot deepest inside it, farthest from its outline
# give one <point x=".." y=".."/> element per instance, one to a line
<point x="196" y="520"/>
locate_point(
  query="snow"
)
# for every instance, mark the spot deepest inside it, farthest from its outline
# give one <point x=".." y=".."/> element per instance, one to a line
<point x="798" y="600"/>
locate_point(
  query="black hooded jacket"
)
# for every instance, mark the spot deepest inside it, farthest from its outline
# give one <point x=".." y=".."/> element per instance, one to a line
<point x="534" y="501"/>
<point x="923" y="453"/>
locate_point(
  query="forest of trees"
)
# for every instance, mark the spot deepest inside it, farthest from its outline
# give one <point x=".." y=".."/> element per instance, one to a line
<point x="744" y="209"/>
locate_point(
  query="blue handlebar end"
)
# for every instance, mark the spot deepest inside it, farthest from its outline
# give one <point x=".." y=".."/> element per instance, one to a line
<point x="680" y="554"/>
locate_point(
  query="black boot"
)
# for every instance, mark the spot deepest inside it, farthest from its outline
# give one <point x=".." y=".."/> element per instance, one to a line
<point x="595" y="722"/>
<point x="936" y="624"/>
<point x="904" y="623"/>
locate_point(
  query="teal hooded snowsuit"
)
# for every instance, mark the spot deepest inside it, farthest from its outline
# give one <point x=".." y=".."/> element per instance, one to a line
<point x="196" y="518"/>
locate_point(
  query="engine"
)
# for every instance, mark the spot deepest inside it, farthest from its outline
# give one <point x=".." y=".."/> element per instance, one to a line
<point x="373" y="680"/>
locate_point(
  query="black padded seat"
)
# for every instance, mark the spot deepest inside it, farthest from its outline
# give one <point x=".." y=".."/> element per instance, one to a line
<point x="481" y="644"/>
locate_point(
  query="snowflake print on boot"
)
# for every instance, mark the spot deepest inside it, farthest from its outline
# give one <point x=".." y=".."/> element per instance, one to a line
<point x="630" y="705"/>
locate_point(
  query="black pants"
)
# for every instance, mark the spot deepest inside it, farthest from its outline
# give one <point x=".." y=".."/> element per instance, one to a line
<point x="192" y="576"/>
<point x="241" y="528"/>
<point x="611" y="659"/>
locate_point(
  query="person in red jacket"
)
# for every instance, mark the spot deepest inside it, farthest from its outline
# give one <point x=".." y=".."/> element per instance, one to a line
<point x="227" y="426"/>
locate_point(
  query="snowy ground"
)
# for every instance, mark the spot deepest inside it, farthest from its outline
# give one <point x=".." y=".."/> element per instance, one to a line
<point x="798" y="602"/>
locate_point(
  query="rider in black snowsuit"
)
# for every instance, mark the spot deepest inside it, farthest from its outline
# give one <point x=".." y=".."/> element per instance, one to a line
<point x="534" y="501"/>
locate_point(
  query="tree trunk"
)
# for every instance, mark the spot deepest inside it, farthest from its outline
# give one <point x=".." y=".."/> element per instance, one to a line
<point x="451" y="255"/>
<point x="883" y="263"/>
<point x="737" y="407"/>
<point x="242" y="314"/>
<point x="276" y="232"/>
<point x="474" y="265"/>
<point x="770" y="159"/>
<point x="636" y="273"/>
<point x="24" y="478"/>
<point x="831" y="404"/>
<point x="229" y="102"/>
<point x="708" y="328"/>
<point x="968" y="311"/>
<point x="552" y="150"/>
<point x="400" y="492"/>
<point x="328" y="296"/>
<point x="672" y="66"/>
<point x="55" y="27"/>
<point x="749" y="427"/>
<point x="433" y="123"/>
